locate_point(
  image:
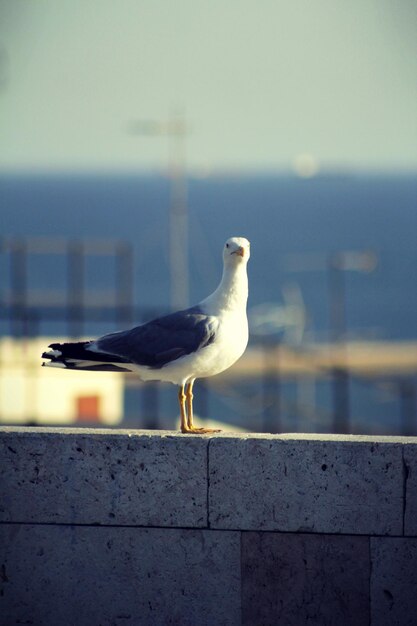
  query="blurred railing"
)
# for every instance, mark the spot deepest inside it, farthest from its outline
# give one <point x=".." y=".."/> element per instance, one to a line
<point x="25" y="305"/>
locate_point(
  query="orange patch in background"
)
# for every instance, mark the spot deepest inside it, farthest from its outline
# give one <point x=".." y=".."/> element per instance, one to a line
<point x="88" y="409"/>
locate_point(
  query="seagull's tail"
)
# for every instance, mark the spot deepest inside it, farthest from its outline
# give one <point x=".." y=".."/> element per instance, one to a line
<point x="78" y="356"/>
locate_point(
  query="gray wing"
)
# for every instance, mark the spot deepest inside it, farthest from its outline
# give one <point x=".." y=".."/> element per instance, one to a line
<point x="162" y="340"/>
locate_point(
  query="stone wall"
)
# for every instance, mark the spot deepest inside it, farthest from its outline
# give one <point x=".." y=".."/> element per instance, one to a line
<point x="102" y="527"/>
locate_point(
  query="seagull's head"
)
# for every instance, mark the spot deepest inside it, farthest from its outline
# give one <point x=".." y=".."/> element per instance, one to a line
<point x="236" y="251"/>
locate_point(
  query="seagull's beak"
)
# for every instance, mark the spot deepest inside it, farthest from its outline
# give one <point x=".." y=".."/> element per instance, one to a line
<point x="240" y="251"/>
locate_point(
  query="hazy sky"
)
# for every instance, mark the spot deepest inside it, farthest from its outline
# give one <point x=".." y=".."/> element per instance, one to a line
<point x="260" y="81"/>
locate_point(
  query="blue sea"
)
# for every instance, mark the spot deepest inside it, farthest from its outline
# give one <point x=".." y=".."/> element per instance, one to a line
<point x="295" y="226"/>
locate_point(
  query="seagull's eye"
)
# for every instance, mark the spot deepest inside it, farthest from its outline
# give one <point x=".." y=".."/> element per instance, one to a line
<point x="227" y="245"/>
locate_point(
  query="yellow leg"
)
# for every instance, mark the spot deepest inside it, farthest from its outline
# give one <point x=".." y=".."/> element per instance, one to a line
<point x="181" y="400"/>
<point x="189" y="400"/>
<point x="190" y="428"/>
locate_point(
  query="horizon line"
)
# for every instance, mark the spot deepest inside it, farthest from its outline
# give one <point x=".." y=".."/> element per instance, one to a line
<point x="209" y="172"/>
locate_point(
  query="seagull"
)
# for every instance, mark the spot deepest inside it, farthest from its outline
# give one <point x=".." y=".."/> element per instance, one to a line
<point x="198" y="342"/>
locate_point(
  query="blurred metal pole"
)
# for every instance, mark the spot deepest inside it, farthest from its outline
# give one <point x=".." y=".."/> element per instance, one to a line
<point x="178" y="244"/>
<point x="337" y="325"/>
<point x="18" y="285"/>
<point x="124" y="283"/>
<point x="150" y="406"/>
<point x="201" y="402"/>
<point x="75" y="292"/>
<point x="271" y="388"/>
<point x="176" y="129"/>
<point x="408" y="400"/>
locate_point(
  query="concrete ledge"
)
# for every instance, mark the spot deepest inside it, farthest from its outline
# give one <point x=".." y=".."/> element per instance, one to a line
<point x="77" y="476"/>
<point x="289" y="483"/>
<point x="119" y="527"/>
<point x="337" y="485"/>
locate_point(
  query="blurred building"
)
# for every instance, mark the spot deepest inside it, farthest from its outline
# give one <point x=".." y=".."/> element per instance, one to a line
<point x="33" y="395"/>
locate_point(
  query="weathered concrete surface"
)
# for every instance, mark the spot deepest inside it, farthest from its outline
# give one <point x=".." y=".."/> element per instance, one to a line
<point x="410" y="477"/>
<point x="326" y="485"/>
<point x="394" y="581"/>
<point x="117" y="527"/>
<point x="292" y="483"/>
<point x="62" y="575"/>
<point x="90" y="476"/>
<point x="304" y="579"/>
